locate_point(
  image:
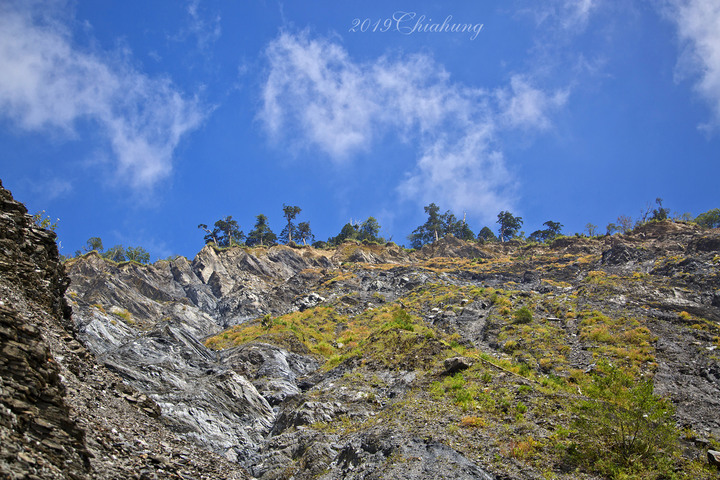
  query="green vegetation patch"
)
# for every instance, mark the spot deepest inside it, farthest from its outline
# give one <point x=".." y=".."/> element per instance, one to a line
<point x="624" y="340"/>
<point x="388" y="335"/>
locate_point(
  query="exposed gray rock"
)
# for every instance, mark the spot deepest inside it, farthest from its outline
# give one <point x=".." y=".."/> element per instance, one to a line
<point x="274" y="371"/>
<point x="366" y="456"/>
<point x="620" y="254"/>
<point x="203" y="400"/>
<point x="456" y="364"/>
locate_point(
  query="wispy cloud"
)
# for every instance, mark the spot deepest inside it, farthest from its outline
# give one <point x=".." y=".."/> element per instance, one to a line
<point x="698" y="24"/>
<point x="568" y="15"/>
<point x="524" y="106"/>
<point x="53" y="188"/>
<point x="206" y="30"/>
<point x="316" y="96"/>
<point x="47" y="83"/>
<point x="575" y="13"/>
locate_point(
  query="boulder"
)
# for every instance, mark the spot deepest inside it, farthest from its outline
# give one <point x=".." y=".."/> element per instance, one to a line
<point x="714" y="458"/>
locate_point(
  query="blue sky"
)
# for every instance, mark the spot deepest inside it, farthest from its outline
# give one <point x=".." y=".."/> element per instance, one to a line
<point x="135" y="121"/>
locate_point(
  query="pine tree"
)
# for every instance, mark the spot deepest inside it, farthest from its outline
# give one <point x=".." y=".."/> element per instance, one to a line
<point x="261" y="234"/>
<point x="289" y="212"/>
<point x="509" y="225"/>
<point x="304" y="233"/>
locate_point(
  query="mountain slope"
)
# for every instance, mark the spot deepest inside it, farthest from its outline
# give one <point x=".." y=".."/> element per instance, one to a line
<point x="368" y="361"/>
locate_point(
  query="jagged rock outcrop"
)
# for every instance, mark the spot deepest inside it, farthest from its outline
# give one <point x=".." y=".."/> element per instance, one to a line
<point x="147" y="323"/>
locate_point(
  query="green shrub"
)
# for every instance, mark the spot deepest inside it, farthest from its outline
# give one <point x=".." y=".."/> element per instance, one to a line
<point x="523" y="315"/>
<point x="623" y="426"/>
<point x="402" y="319"/>
<point x="709" y="219"/>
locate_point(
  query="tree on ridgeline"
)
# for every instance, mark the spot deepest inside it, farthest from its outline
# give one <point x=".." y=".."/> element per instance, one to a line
<point x="349" y="231"/>
<point x="624" y="224"/>
<point x="226" y="232"/>
<point x="552" y="231"/>
<point x="367" y="231"/>
<point x="486" y="235"/>
<point x="709" y="219"/>
<point x="461" y="230"/>
<point x="137" y="254"/>
<point x="94" y="243"/>
<point x="289" y="212"/>
<point x="210" y="236"/>
<point x="261" y="234"/>
<point x="115" y="253"/>
<point x="660" y="213"/>
<point x="437" y="226"/>
<point x="591" y="229"/>
<point x="509" y="225"/>
<point x="429" y="231"/>
<point x="304" y="233"/>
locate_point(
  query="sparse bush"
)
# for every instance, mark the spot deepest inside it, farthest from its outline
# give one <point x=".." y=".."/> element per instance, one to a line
<point x="472" y="422"/>
<point x="402" y="319"/>
<point x="524" y="448"/>
<point x="122" y="313"/>
<point x="42" y="220"/>
<point x="523" y="315"/>
<point x="623" y="424"/>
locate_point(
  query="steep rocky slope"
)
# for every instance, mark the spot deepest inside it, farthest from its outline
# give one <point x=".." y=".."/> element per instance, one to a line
<point x="344" y="363"/>
<point x="367" y="361"/>
<point x="62" y="414"/>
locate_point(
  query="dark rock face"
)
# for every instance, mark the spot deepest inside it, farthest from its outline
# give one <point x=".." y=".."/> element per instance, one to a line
<point x="620" y="254"/>
<point x="63" y="415"/>
<point x="38" y="436"/>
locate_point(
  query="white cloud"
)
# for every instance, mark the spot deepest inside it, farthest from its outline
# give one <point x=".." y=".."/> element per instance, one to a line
<point x="313" y="82"/>
<point x="317" y="97"/>
<point x="523" y="105"/>
<point x="48" y="84"/>
<point x="698" y="23"/>
<point x="466" y="175"/>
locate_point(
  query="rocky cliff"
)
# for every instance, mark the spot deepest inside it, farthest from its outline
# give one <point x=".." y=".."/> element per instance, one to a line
<point x="62" y="413"/>
<point x="369" y="361"/>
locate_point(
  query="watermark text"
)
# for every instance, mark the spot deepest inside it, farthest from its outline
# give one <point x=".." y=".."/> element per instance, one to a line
<point x="408" y="23"/>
